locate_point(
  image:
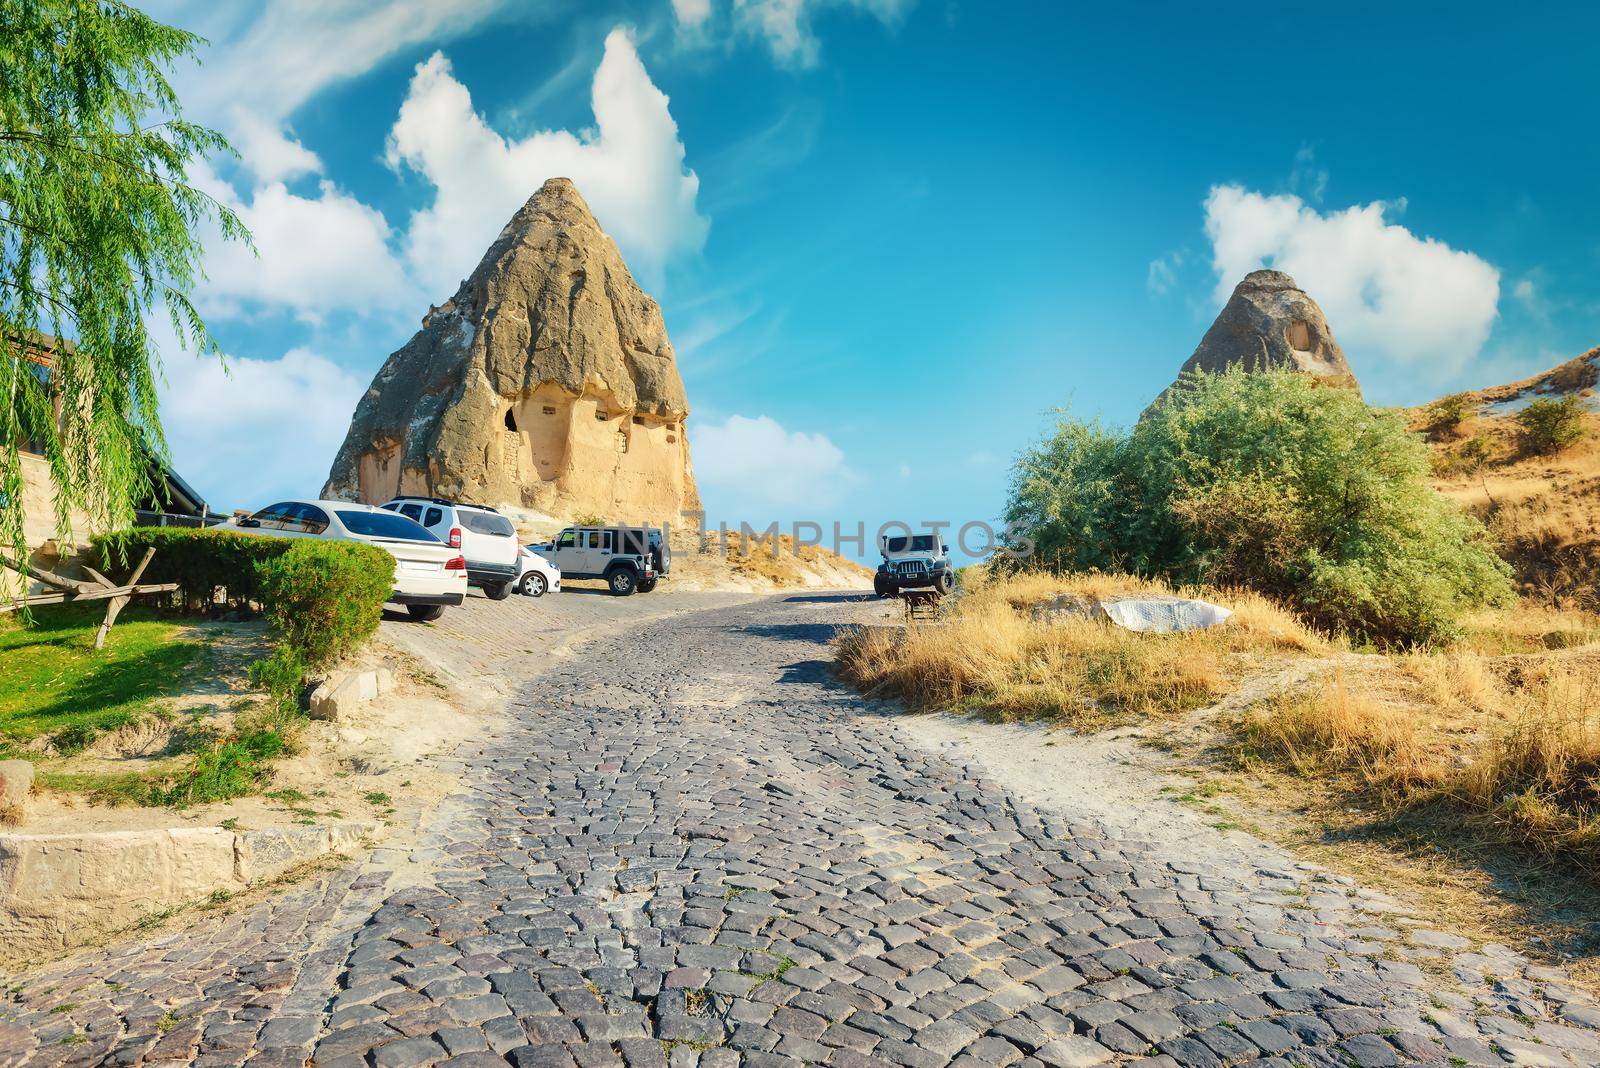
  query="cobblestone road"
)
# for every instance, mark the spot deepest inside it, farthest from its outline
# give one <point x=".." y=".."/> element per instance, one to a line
<point x="687" y="846"/>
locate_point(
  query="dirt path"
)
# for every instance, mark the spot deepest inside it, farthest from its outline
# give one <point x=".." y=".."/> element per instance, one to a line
<point x="688" y="845"/>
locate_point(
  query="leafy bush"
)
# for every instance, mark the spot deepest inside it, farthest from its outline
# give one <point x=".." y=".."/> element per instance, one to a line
<point x="1547" y="426"/>
<point x="205" y="563"/>
<point x="283" y="676"/>
<point x="1268" y="481"/>
<point x="1447" y="413"/>
<point x="325" y="597"/>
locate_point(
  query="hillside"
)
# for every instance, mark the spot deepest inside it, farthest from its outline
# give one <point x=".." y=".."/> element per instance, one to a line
<point x="1545" y="509"/>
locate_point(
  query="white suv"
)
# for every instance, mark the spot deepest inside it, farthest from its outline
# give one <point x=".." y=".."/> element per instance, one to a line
<point x="485" y="537"/>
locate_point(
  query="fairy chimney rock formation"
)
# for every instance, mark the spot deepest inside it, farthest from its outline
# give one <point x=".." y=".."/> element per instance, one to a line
<point x="546" y="382"/>
<point x="1270" y="322"/>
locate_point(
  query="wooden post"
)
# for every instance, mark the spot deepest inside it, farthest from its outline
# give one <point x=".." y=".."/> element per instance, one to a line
<point x="114" y="606"/>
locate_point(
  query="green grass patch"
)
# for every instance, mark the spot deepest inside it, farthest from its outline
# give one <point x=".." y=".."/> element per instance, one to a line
<point x="231" y="768"/>
<point x="54" y="682"/>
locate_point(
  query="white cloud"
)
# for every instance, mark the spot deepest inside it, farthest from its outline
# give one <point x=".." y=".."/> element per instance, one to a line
<point x="314" y="254"/>
<point x="756" y="464"/>
<point x="267" y="59"/>
<point x="265" y="431"/>
<point x="691" y="13"/>
<point x="630" y="169"/>
<point x="1413" y="299"/>
<point x="785" y="25"/>
<point x="1307" y="177"/>
<point x="1163" y="273"/>
<point x="269" y="150"/>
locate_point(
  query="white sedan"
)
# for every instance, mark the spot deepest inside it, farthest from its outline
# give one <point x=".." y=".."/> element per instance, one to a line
<point x="428" y="574"/>
<point x="535" y="574"/>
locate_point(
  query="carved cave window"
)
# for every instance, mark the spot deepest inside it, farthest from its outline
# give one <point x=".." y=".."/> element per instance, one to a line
<point x="549" y="409"/>
<point x="511" y="419"/>
<point x="1299" y="335"/>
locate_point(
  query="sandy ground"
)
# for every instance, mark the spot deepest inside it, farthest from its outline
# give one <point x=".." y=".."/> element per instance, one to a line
<point x="1113" y="777"/>
<point x="376" y="764"/>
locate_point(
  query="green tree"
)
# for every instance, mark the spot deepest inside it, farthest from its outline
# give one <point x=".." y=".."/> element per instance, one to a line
<point x="1270" y="481"/>
<point x="98" y="233"/>
<point x="1549" y="425"/>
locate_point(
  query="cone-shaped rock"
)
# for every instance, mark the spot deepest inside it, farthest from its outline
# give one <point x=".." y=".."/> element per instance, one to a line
<point x="546" y="382"/>
<point x="1270" y="322"/>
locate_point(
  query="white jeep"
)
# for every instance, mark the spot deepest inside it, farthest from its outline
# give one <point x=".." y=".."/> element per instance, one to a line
<point x="913" y="562"/>
<point x="627" y="558"/>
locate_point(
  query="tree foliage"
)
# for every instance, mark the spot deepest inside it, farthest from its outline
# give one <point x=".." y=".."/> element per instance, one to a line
<point x="98" y="234"/>
<point x="1268" y="481"/>
<point x="1549" y="425"/>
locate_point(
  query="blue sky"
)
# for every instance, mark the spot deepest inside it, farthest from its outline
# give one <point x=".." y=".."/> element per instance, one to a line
<point x="890" y="236"/>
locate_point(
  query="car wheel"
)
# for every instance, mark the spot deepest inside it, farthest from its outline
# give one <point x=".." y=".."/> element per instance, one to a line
<point x="497" y="591"/>
<point x="947" y="581"/>
<point x="425" y="613"/>
<point x="646" y="585"/>
<point x="621" y="582"/>
<point x="881" y="587"/>
<point x="534" y="584"/>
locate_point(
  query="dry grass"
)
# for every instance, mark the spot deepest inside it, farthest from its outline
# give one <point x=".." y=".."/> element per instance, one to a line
<point x="997" y="652"/>
<point x="1500" y="749"/>
<point x="1334" y="728"/>
<point x="783" y="563"/>
<point x="1529" y="626"/>
<point x="1543" y="510"/>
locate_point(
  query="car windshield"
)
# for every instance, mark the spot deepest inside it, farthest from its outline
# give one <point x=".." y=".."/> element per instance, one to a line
<point x="384" y="525"/>
<point x="487" y="523"/>
<point x="918" y="543"/>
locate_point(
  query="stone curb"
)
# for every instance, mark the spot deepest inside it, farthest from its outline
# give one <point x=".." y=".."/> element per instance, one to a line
<point x="61" y="890"/>
<point x="339" y="694"/>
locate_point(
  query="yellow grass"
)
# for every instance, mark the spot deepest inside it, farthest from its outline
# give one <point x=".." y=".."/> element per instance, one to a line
<point x="1501" y="748"/>
<point x="781" y="563"/>
<point x="1334" y="728"/>
<point x="1537" y="776"/>
<point x="1543" y="510"/>
<point x="994" y="654"/>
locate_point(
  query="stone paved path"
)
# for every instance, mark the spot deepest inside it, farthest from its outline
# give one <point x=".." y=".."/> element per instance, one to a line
<point x="686" y="846"/>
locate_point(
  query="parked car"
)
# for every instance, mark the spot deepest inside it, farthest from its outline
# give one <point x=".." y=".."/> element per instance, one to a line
<point x="627" y="558"/>
<point x="485" y="537"/>
<point x="538" y="575"/>
<point x="428" y="574"/>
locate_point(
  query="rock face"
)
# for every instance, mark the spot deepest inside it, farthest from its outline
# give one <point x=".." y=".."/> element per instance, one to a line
<point x="1271" y="322"/>
<point x="546" y="382"/>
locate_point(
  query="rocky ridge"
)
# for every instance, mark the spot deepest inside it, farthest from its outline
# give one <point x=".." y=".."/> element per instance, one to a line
<point x="546" y="382"/>
<point x="1270" y="322"/>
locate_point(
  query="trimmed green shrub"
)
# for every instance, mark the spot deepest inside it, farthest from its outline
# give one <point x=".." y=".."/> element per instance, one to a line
<point x="325" y="597"/>
<point x="1272" y="482"/>
<point x="206" y="563"/>
<point x="1547" y="426"/>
